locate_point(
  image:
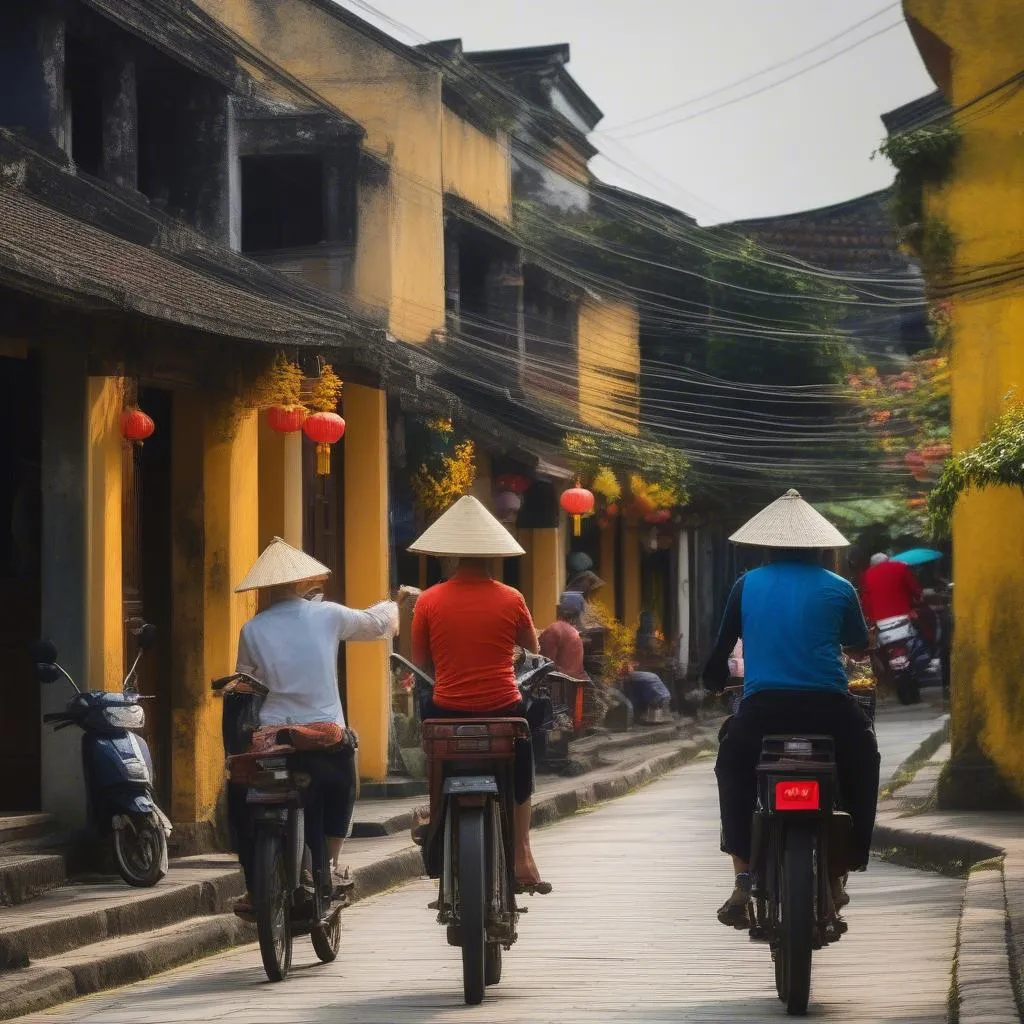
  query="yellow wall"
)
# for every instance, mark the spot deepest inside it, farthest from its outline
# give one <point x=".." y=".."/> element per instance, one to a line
<point x="215" y="494"/>
<point x="609" y="361"/>
<point x="397" y="100"/>
<point x="631" y="597"/>
<point x="366" y="570"/>
<point x="476" y="166"/>
<point x="106" y="625"/>
<point x="983" y="205"/>
<point x="606" y="567"/>
<point x="542" y="574"/>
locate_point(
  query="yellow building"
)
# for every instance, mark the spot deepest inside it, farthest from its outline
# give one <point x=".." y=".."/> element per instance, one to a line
<point x="973" y="53"/>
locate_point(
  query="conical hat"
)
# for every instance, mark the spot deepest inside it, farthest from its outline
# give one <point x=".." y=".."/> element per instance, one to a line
<point x="467" y="530"/>
<point x="279" y="564"/>
<point x="789" y="522"/>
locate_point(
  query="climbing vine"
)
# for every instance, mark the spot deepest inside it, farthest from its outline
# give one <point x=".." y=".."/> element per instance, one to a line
<point x="997" y="460"/>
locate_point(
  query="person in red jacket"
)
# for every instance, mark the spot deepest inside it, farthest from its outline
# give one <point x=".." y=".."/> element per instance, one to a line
<point x="888" y="589"/>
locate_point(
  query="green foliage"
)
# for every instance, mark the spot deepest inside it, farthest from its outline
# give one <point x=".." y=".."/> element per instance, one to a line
<point x="997" y="460"/>
<point x="656" y="462"/>
<point x="924" y="154"/>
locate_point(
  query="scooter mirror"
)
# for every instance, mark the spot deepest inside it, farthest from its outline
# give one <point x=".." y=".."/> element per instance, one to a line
<point x="147" y="636"/>
<point x="43" y="652"/>
<point x="47" y="672"/>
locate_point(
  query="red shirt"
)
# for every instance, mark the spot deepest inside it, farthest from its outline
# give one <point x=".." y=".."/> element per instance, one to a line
<point x="887" y="590"/>
<point x="468" y="629"/>
<point x="564" y="646"/>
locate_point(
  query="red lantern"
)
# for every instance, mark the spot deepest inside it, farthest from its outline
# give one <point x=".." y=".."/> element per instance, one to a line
<point x="513" y="482"/>
<point x="612" y="510"/>
<point x="659" y="516"/>
<point x="325" y="429"/>
<point x="578" y="502"/>
<point x="286" y="419"/>
<point x="136" y="425"/>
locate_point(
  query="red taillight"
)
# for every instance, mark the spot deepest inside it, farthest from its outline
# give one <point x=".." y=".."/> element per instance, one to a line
<point x="801" y="795"/>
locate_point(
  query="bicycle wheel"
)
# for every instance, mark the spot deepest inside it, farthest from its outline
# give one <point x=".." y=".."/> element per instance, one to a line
<point x="472" y="902"/>
<point x="799" y="882"/>
<point x="273" y="906"/>
<point x="327" y="937"/>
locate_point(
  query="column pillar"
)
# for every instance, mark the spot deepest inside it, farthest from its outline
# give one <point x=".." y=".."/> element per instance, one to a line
<point x="64" y="567"/>
<point x="606" y="567"/>
<point x="631" y="599"/>
<point x="120" y="123"/>
<point x="104" y="606"/>
<point x="280" y="486"/>
<point x="366" y="570"/>
<point x="215" y="496"/>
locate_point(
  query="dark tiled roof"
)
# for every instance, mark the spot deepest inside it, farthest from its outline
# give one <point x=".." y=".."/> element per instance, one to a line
<point x="857" y="235"/>
<point x="917" y="112"/>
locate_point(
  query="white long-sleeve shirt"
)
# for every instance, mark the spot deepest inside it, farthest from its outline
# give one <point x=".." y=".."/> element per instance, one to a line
<point x="292" y="647"/>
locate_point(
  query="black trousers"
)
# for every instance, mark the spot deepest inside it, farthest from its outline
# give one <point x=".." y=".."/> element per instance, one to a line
<point x="329" y="805"/>
<point x="782" y="712"/>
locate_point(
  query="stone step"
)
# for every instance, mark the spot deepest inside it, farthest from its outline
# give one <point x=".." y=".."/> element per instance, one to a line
<point x="80" y="914"/>
<point x="116" y="961"/>
<point x="25" y="876"/>
<point x="15" y="827"/>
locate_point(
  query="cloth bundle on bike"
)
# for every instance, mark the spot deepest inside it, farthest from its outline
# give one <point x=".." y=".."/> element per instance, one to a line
<point x="309" y="736"/>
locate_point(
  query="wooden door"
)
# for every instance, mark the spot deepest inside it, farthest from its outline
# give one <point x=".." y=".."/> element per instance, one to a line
<point x="20" y="591"/>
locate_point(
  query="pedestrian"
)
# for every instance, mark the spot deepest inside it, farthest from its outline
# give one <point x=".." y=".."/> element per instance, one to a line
<point x="562" y="643"/>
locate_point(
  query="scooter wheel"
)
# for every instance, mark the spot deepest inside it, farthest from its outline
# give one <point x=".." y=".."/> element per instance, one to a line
<point x="141" y="852"/>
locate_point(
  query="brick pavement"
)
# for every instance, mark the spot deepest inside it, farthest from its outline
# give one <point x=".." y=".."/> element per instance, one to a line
<point x="629" y="935"/>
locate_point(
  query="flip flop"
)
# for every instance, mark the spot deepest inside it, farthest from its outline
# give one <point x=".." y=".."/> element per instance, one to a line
<point x="533" y="888"/>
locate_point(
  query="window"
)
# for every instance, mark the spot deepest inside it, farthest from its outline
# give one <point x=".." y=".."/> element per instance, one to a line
<point x="282" y="202"/>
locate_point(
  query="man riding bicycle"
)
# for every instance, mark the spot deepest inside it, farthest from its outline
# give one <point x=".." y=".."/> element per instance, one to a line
<point x="794" y="618"/>
<point x="292" y="648"/>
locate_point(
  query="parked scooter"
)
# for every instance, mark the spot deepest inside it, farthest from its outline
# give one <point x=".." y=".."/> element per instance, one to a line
<point x="117" y="763"/>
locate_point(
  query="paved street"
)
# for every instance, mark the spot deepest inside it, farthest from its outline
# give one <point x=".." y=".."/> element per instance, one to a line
<point x="629" y="935"/>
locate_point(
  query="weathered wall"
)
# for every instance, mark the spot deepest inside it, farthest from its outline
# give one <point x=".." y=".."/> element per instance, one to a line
<point x="609" y="364"/>
<point x="476" y="166"/>
<point x="398" y="102"/>
<point x="983" y="205"/>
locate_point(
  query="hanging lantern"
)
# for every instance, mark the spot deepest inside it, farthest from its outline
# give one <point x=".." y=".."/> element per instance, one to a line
<point x="659" y="516"/>
<point x="325" y="429"/>
<point x="578" y="502"/>
<point x="612" y="509"/>
<point x="136" y="426"/>
<point x="286" y="419"/>
<point x="506" y="505"/>
<point x="514" y="482"/>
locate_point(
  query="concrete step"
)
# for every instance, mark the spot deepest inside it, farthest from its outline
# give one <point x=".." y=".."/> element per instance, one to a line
<point x="117" y="961"/>
<point x="78" y="914"/>
<point x="25" y="876"/>
<point x="15" y="827"/>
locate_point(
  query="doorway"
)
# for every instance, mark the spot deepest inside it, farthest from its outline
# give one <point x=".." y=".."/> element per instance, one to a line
<point x="146" y="583"/>
<point x="20" y="586"/>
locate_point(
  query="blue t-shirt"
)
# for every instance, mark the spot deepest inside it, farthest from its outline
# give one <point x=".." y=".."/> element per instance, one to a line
<point x="796" y="617"/>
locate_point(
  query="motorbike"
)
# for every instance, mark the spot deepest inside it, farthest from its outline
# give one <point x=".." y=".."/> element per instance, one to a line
<point x="900" y="655"/>
<point x="471" y="784"/>
<point x="799" y="830"/>
<point x="277" y="796"/>
<point x="117" y="764"/>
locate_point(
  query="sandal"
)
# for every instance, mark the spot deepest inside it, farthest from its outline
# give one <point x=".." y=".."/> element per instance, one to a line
<point x="243" y="908"/>
<point x="533" y="888"/>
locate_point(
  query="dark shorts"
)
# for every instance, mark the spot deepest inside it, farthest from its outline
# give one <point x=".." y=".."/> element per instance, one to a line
<point x="523" y="770"/>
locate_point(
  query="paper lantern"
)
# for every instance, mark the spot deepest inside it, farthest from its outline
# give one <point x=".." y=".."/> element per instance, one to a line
<point x="516" y="483"/>
<point x="578" y="502"/>
<point x="659" y="516"/>
<point x="136" y="425"/>
<point x="286" y="419"/>
<point x="506" y="505"/>
<point x="325" y="429"/>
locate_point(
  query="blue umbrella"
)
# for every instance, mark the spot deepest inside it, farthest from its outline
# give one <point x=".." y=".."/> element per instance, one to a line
<point x="918" y="556"/>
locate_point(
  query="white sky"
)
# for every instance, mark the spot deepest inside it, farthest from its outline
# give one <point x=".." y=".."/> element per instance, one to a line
<point x="800" y="144"/>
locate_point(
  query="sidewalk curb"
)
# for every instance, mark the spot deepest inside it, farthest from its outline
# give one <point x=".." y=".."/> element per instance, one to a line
<point x="982" y="987"/>
<point x="39" y="986"/>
